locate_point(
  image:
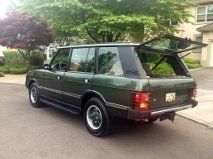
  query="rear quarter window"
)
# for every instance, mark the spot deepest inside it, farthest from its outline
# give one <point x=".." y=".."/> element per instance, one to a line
<point x="109" y="62"/>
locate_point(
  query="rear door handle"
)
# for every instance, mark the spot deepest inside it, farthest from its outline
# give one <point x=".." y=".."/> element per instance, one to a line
<point x="86" y="80"/>
<point x="59" y="77"/>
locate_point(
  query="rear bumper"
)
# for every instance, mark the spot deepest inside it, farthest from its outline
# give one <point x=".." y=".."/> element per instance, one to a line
<point x="137" y="114"/>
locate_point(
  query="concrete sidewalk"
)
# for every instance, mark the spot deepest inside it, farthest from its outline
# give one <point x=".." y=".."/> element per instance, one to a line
<point x="202" y="114"/>
<point x="17" y="79"/>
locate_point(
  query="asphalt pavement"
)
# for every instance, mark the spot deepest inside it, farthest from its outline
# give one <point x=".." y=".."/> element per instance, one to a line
<point x="48" y="133"/>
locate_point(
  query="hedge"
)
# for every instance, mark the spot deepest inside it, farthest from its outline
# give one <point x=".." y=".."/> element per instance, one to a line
<point x="17" y="69"/>
<point x="14" y="58"/>
<point x="1" y="74"/>
<point x="5" y="69"/>
<point x="191" y="64"/>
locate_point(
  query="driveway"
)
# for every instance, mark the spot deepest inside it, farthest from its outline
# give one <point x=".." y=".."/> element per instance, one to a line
<point x="47" y="133"/>
<point x="203" y="113"/>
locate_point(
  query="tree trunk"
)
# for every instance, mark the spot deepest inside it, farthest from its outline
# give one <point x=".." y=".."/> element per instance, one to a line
<point x="26" y="55"/>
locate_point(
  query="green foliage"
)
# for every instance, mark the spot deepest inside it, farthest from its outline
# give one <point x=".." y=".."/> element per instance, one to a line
<point x="109" y="20"/>
<point x="192" y="64"/>
<point x="37" y="59"/>
<point x="26" y="33"/>
<point x="163" y="68"/>
<point x="191" y="61"/>
<point x="17" y="69"/>
<point x="13" y="57"/>
<point x="1" y="74"/>
<point x="5" y="69"/>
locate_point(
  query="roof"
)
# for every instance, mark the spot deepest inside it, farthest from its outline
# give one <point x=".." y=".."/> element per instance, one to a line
<point x="208" y="27"/>
<point x="104" y="44"/>
<point x="200" y="1"/>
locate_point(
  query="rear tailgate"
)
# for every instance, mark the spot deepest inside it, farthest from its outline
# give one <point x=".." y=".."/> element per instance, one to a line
<point x="170" y="92"/>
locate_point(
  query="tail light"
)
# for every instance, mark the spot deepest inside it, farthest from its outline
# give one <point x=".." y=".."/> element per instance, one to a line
<point x="193" y="94"/>
<point x="141" y="100"/>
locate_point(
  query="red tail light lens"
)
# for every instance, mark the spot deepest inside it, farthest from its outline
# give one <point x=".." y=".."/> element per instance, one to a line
<point x="141" y="100"/>
<point x="193" y="94"/>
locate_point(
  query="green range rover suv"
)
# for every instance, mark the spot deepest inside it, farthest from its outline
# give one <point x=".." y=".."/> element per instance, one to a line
<point x="146" y="81"/>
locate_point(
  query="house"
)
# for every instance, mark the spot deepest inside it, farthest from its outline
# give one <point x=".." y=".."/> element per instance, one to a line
<point x="200" y="29"/>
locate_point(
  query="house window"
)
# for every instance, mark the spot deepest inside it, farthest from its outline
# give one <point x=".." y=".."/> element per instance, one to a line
<point x="199" y="38"/>
<point x="205" y="14"/>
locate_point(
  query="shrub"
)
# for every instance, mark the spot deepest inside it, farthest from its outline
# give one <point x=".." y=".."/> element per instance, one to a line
<point x="18" y="70"/>
<point x="13" y="57"/>
<point x="37" y="59"/>
<point x="188" y="60"/>
<point x="1" y="74"/>
<point x="5" y="69"/>
<point x="32" y="67"/>
<point x="192" y="64"/>
<point x="163" y="68"/>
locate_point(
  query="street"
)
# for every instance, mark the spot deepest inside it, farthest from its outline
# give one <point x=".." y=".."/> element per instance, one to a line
<point x="27" y="132"/>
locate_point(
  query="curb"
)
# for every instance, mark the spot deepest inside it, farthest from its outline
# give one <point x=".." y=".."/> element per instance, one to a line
<point x="195" y="121"/>
<point x="196" y="69"/>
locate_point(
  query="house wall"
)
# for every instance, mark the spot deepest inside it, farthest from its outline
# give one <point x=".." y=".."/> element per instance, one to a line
<point x="189" y="30"/>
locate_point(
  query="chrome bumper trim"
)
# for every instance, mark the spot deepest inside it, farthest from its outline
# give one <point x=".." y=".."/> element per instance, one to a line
<point x="159" y="112"/>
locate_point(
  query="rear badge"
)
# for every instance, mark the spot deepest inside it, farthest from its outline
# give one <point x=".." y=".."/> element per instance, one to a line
<point x="170" y="97"/>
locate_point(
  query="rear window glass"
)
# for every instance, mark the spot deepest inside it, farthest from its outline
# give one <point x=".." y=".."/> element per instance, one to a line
<point x="161" y="66"/>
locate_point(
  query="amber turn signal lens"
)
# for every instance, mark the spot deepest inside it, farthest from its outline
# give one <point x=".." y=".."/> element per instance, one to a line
<point x="144" y="106"/>
<point x="194" y="94"/>
<point x="141" y="100"/>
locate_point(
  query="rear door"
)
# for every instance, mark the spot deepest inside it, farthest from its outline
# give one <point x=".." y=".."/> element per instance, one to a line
<point x="79" y="77"/>
<point x="170" y="92"/>
<point x="176" y="87"/>
<point x="110" y="79"/>
<point x="168" y="44"/>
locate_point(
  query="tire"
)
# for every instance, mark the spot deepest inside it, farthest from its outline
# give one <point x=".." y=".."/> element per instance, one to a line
<point x="152" y="120"/>
<point x="34" y="96"/>
<point x="96" y="117"/>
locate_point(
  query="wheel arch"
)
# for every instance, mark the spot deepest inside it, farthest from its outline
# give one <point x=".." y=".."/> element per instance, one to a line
<point x="90" y="94"/>
<point x="31" y="81"/>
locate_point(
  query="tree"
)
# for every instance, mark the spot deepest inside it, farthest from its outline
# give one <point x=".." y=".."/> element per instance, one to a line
<point x="111" y="20"/>
<point x="25" y="33"/>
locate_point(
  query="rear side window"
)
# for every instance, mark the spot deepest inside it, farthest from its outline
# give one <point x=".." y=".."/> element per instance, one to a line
<point x="109" y="61"/>
<point x="83" y="60"/>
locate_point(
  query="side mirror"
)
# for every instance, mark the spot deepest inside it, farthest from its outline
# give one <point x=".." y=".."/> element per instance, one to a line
<point x="46" y="66"/>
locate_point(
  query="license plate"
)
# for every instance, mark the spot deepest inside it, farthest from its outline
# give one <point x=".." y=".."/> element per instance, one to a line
<point x="170" y="97"/>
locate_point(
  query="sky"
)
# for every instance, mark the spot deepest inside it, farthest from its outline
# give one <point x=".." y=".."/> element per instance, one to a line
<point x="4" y="4"/>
